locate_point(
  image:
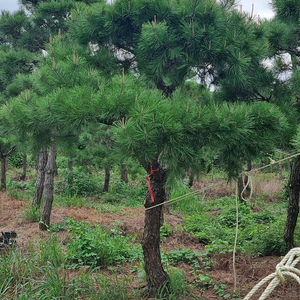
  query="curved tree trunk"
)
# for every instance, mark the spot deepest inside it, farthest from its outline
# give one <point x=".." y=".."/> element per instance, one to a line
<point x="293" y="208"/>
<point x="40" y="179"/>
<point x="48" y="189"/>
<point x="156" y="276"/>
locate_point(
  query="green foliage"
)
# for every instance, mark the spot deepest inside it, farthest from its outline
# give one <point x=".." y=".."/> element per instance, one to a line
<point x="49" y="250"/>
<point x="165" y="231"/>
<point x="92" y="245"/>
<point x="77" y="183"/>
<point x="31" y="213"/>
<point x="121" y="193"/>
<point x="176" y="288"/>
<point x="228" y="216"/>
<point x="182" y="255"/>
<point x="260" y="233"/>
<point x="67" y="200"/>
<point x="15" y="160"/>
<point x="20" y="189"/>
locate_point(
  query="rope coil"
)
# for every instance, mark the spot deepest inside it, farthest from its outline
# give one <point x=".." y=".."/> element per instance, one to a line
<point x="284" y="269"/>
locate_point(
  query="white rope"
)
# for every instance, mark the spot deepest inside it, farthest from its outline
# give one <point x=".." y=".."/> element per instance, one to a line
<point x="185" y="196"/>
<point x="236" y="236"/>
<point x="249" y="183"/>
<point x="284" y="269"/>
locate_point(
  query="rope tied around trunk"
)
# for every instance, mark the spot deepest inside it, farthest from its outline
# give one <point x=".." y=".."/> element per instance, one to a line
<point x="284" y="269"/>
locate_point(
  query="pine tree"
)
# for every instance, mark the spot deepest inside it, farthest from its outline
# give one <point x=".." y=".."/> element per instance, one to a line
<point x="158" y="45"/>
<point x="283" y="34"/>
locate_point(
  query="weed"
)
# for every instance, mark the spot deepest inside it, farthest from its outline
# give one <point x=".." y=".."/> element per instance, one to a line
<point x="50" y="251"/>
<point x="93" y="245"/>
<point x="183" y="255"/>
<point x="176" y="288"/>
<point x="5" y="286"/>
<point x="31" y="213"/>
<point x="80" y="185"/>
<point x="74" y="200"/>
<point x="165" y="231"/>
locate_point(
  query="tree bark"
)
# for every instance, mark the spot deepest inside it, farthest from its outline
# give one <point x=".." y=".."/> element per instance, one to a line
<point x="3" y="171"/>
<point x="40" y="179"/>
<point x="48" y="189"/>
<point x="289" y="167"/>
<point x="124" y="175"/>
<point x="280" y="166"/>
<point x="23" y="176"/>
<point x="70" y="164"/>
<point x="293" y="208"/>
<point x="191" y="178"/>
<point x="70" y="168"/>
<point x="156" y="276"/>
<point x="107" y="179"/>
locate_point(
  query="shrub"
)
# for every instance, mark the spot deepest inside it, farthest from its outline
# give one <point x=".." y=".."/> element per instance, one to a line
<point x="15" y="160"/>
<point x="93" y="245"/>
<point x="228" y="216"/>
<point x="77" y="183"/>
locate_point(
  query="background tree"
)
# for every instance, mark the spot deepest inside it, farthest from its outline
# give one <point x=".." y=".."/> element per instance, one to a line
<point x="283" y="34"/>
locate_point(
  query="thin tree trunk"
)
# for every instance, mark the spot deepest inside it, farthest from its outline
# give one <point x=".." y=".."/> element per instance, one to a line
<point x="70" y="168"/>
<point x="156" y="276"/>
<point x="70" y="164"/>
<point x="23" y="176"/>
<point x="4" y="167"/>
<point x="124" y="175"/>
<point x="280" y="166"/>
<point x="48" y="189"/>
<point x="289" y="167"/>
<point x="107" y="179"/>
<point x="40" y="179"/>
<point x="6" y="163"/>
<point x="3" y="171"/>
<point x="191" y="178"/>
<point x="293" y="208"/>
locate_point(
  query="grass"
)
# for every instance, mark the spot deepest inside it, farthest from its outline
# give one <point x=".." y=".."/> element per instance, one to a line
<point x="42" y="272"/>
<point x="73" y="267"/>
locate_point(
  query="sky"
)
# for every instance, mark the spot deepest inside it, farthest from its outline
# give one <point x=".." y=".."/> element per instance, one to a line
<point x="261" y="7"/>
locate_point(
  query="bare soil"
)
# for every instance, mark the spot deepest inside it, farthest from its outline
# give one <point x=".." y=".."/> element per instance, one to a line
<point x="249" y="271"/>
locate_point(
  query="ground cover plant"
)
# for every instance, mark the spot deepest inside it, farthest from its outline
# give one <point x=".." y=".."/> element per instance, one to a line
<point x="92" y="249"/>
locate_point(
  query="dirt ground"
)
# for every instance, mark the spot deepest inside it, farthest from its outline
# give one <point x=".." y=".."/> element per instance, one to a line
<point x="248" y="271"/>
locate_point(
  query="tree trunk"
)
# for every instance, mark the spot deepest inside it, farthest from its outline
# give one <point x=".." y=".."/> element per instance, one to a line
<point x="293" y="208"/>
<point x="156" y="276"/>
<point x="107" y="179"/>
<point x="6" y="162"/>
<point x="70" y="168"/>
<point x="23" y="176"/>
<point x="280" y="166"/>
<point x="191" y="178"/>
<point x="289" y="167"/>
<point x="48" y="189"/>
<point x="3" y="171"/>
<point x="124" y="176"/>
<point x="40" y="179"/>
<point x="70" y="164"/>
